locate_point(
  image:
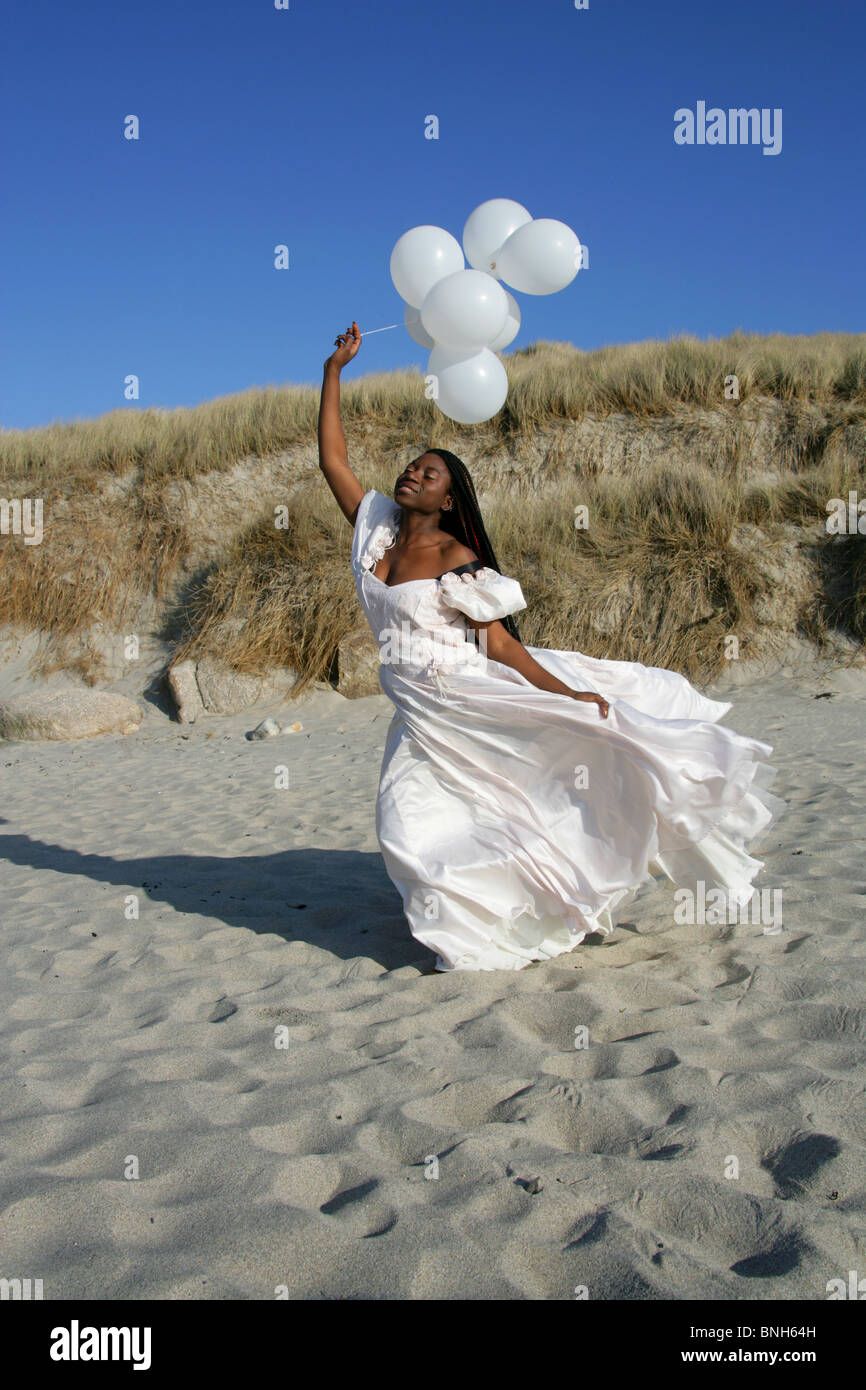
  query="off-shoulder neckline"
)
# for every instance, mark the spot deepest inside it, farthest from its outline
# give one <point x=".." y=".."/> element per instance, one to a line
<point x="471" y="564"/>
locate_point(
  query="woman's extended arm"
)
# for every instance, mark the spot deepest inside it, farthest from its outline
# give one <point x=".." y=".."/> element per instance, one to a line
<point x="333" y="454"/>
<point x="501" y="646"/>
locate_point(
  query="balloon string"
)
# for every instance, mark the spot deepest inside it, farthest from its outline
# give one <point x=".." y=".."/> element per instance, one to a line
<point x="366" y="332"/>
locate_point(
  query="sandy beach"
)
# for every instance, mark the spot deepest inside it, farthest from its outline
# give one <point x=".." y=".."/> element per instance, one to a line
<point x="226" y="1073"/>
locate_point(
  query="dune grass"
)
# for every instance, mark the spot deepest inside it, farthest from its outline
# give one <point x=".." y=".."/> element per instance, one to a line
<point x="655" y="577"/>
<point x="547" y="381"/>
<point x="280" y="598"/>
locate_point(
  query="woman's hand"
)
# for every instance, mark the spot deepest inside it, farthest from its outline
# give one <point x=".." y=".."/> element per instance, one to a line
<point x="347" y="345"/>
<point x="591" y="698"/>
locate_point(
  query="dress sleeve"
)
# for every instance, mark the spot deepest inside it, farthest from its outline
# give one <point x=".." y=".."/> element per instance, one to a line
<point x="482" y="596"/>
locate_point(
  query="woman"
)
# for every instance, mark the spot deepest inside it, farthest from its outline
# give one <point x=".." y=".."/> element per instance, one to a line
<point x="517" y="812"/>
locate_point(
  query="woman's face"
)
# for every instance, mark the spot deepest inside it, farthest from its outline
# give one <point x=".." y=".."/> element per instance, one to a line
<point x="423" y="485"/>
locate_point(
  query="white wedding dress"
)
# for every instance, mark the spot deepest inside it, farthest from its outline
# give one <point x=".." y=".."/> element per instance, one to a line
<point x="513" y="821"/>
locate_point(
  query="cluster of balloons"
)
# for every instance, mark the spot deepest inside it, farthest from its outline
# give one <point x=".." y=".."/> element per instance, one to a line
<point x="466" y="316"/>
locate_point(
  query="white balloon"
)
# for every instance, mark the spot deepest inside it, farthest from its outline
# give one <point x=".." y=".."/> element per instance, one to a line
<point x="541" y="257"/>
<point x="512" y="326"/>
<point x="465" y="311"/>
<point x="489" y="226"/>
<point x="415" y="328"/>
<point x="420" y="257"/>
<point x="470" y="387"/>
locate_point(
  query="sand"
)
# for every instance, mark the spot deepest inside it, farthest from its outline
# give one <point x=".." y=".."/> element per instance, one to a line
<point x="310" y="1114"/>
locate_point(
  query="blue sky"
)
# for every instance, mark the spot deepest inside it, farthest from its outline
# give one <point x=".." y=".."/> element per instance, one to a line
<point x="306" y="126"/>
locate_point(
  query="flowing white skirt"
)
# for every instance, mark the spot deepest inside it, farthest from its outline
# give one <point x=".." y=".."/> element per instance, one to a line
<point x="513" y="821"/>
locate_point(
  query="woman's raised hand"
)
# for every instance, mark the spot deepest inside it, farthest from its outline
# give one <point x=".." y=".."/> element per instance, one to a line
<point x="347" y="345"/>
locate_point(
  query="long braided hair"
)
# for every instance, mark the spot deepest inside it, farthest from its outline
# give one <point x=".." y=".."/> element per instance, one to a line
<point x="464" y="520"/>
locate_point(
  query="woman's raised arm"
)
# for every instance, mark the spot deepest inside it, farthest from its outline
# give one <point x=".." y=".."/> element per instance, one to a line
<point x="333" y="454"/>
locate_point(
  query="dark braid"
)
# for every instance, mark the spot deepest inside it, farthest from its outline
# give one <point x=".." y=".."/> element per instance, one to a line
<point x="465" y="522"/>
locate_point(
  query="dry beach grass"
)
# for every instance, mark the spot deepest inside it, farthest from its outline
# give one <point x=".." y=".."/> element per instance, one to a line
<point x="545" y="380"/>
<point x="126" y="495"/>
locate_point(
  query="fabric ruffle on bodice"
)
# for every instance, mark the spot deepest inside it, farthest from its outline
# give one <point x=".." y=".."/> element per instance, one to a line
<point x="376" y="528"/>
<point x="482" y="596"/>
<point x="382" y="538"/>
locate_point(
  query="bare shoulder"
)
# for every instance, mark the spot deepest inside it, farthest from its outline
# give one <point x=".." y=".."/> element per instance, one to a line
<point x="458" y="554"/>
